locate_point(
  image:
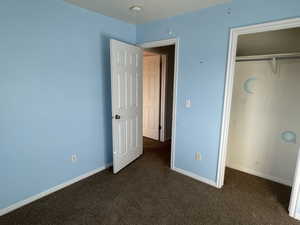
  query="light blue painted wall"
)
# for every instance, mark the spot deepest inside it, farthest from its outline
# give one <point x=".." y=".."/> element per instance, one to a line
<point x="54" y="94"/>
<point x="204" y="36"/>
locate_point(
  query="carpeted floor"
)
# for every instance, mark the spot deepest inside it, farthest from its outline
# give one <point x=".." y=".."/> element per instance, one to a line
<point x="148" y="192"/>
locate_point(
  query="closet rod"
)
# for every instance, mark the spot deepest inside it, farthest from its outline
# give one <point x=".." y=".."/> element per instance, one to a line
<point x="268" y="57"/>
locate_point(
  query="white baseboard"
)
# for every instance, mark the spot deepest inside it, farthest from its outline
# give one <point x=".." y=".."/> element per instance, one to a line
<point x="196" y="177"/>
<point x="260" y="174"/>
<point x="50" y="191"/>
<point x="297" y="216"/>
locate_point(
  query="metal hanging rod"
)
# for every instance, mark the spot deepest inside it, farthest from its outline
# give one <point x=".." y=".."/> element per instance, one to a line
<point x="268" y="57"/>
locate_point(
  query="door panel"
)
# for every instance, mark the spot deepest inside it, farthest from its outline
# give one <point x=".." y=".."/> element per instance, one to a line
<point x="151" y="95"/>
<point x="126" y="81"/>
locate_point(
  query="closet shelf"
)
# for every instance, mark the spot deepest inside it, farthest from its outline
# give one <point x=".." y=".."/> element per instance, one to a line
<point x="295" y="55"/>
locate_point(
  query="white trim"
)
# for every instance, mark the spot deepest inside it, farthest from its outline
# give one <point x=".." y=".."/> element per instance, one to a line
<point x="259" y="174"/>
<point x="234" y="33"/>
<point x="295" y="190"/>
<point x="162" y="135"/>
<point x="50" y="191"/>
<point x="297" y="216"/>
<point x="196" y="177"/>
<point x="226" y="109"/>
<point x="159" y="43"/>
<point x="155" y="44"/>
<point x="268" y="26"/>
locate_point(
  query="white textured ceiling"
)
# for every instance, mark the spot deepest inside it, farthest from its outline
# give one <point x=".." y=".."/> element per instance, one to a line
<point x="152" y="9"/>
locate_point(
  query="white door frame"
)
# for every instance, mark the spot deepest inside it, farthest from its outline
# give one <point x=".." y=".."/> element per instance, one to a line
<point x="234" y="33"/>
<point x="163" y="81"/>
<point x="161" y="43"/>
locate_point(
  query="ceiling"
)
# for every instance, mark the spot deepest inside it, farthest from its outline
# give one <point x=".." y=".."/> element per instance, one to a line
<point x="272" y="42"/>
<point x="151" y="9"/>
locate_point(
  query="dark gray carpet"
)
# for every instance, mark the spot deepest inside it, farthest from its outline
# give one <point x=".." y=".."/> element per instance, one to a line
<point x="148" y="192"/>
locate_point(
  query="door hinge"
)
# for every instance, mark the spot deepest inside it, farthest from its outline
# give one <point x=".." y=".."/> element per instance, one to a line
<point x="159" y="127"/>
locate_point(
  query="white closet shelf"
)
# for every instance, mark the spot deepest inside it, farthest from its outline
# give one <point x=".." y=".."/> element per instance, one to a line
<point x="268" y="57"/>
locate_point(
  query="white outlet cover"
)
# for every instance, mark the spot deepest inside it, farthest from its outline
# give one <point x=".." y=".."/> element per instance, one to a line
<point x="188" y="103"/>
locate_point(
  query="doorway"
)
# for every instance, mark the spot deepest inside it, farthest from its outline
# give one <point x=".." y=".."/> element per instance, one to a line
<point x="127" y="99"/>
<point x="158" y="89"/>
<point x="158" y="83"/>
<point x="259" y="133"/>
<point x="160" y="66"/>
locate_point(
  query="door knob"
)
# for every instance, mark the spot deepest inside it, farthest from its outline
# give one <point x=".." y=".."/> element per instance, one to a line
<point x="117" y="117"/>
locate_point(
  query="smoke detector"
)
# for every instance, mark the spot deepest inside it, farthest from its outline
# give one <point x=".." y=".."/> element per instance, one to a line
<point x="135" y="8"/>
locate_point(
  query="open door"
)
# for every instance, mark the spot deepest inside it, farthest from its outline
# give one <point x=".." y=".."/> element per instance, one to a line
<point x="127" y="100"/>
<point x="151" y="93"/>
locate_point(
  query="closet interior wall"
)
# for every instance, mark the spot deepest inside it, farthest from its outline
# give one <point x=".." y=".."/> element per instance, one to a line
<point x="265" y="121"/>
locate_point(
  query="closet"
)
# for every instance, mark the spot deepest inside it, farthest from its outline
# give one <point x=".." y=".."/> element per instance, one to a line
<point x="265" y="116"/>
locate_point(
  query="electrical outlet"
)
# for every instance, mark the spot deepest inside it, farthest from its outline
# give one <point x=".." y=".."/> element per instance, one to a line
<point x="74" y="158"/>
<point x="198" y="156"/>
<point x="188" y="103"/>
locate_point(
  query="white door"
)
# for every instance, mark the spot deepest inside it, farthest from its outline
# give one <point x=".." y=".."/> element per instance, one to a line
<point x="151" y="95"/>
<point x="126" y="86"/>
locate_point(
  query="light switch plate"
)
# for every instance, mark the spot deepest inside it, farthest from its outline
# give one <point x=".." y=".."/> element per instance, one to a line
<point x="198" y="156"/>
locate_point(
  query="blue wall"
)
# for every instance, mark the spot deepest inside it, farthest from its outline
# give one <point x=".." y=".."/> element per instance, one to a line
<point x="54" y="94"/>
<point x="204" y="36"/>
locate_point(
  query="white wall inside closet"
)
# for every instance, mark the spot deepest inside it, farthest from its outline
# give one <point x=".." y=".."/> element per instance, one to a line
<point x="265" y="119"/>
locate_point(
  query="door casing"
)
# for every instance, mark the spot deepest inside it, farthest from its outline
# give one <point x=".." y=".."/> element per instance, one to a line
<point x="161" y="43"/>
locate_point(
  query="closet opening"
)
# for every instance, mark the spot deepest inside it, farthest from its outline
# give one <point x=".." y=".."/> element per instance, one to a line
<point x="264" y="120"/>
<point x="259" y="149"/>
